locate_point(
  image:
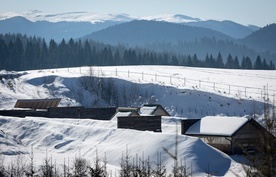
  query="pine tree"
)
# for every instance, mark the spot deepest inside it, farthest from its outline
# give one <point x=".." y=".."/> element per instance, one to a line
<point x="219" y="61"/>
<point x="258" y="63"/>
<point x="236" y="63"/>
<point x="230" y="62"/>
<point x="271" y="65"/>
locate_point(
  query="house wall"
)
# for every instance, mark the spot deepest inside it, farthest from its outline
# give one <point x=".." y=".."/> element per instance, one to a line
<point x="245" y="139"/>
<point x="150" y="123"/>
<point x="23" y="113"/>
<point x="160" y="112"/>
<point x="80" y="112"/>
<point x="221" y="143"/>
<point x="186" y="124"/>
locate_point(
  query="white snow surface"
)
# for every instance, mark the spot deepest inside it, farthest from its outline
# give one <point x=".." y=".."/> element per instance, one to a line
<point x="216" y="125"/>
<point x="183" y="91"/>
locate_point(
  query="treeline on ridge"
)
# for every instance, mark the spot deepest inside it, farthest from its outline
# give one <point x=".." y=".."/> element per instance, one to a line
<point x="20" y="52"/>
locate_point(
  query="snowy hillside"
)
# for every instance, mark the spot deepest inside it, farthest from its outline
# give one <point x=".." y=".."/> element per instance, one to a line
<point x="182" y="91"/>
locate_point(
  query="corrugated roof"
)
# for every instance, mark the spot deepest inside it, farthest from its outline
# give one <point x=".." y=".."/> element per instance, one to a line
<point x="37" y="103"/>
<point x="217" y="126"/>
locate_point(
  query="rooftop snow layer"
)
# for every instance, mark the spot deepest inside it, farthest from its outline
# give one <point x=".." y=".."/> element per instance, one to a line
<point x="147" y="110"/>
<point x="217" y="125"/>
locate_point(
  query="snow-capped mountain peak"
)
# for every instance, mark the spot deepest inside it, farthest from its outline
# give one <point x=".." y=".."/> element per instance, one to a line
<point x="35" y="15"/>
<point x="173" y="18"/>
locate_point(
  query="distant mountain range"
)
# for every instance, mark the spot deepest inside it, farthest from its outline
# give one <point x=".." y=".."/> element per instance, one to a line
<point x="139" y="32"/>
<point x="78" y="24"/>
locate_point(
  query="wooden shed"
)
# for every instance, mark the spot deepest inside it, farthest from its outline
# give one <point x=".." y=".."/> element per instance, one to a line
<point x="153" y="109"/>
<point x="232" y="135"/>
<point x="149" y="123"/>
<point x="81" y="112"/>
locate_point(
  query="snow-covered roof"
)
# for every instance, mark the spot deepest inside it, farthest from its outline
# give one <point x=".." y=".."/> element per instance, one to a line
<point x="121" y="114"/>
<point x="147" y="110"/>
<point x="216" y="125"/>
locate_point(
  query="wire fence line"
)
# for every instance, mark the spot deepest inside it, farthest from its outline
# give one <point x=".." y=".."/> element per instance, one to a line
<point x="237" y="91"/>
<point x="230" y="89"/>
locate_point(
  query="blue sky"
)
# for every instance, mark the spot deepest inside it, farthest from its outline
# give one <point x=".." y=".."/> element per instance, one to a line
<point x="256" y="12"/>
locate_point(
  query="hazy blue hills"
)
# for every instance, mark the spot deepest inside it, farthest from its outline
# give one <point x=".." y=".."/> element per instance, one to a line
<point x="78" y="24"/>
<point x="51" y="30"/>
<point x="140" y="32"/>
<point x="183" y="39"/>
<point x="263" y="39"/>
<point x="230" y="28"/>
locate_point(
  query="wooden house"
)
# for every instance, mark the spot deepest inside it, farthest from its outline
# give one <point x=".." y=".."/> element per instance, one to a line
<point x="153" y="109"/>
<point x="232" y="135"/>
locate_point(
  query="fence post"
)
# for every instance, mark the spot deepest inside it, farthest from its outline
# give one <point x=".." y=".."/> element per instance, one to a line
<point x="199" y="83"/>
<point x="245" y="91"/>
<point x="184" y="81"/>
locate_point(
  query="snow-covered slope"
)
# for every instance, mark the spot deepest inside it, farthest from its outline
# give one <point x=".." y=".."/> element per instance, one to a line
<point x="183" y="91"/>
<point x="64" y="139"/>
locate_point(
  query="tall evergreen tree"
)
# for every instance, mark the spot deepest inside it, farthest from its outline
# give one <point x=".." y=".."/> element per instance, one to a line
<point x="44" y="56"/>
<point x="265" y="66"/>
<point x="53" y="54"/>
<point x="236" y="63"/>
<point x="17" y="54"/>
<point x="219" y="61"/>
<point x="246" y="63"/>
<point x="271" y="65"/>
<point x="230" y="62"/>
<point x="4" y="55"/>
<point x="258" y="63"/>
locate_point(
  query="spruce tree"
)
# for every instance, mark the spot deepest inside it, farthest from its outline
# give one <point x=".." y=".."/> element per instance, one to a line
<point x="258" y="63"/>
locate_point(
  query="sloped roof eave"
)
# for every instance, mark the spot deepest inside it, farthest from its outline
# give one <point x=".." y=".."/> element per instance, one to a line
<point x="214" y="133"/>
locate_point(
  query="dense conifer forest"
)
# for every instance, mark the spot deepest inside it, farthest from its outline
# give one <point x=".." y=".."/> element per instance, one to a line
<point x="21" y="52"/>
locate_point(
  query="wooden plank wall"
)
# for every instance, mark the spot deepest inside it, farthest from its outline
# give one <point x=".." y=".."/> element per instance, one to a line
<point x="143" y="123"/>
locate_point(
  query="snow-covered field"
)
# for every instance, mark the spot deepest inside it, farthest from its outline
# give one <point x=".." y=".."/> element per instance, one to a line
<point x="182" y="91"/>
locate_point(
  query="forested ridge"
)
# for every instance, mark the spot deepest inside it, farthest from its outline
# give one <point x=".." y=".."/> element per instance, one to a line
<point x="21" y="52"/>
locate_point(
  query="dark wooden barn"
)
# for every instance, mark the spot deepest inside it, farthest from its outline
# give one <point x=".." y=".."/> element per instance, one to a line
<point x="150" y="123"/>
<point x="232" y="135"/>
<point x="81" y="112"/>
